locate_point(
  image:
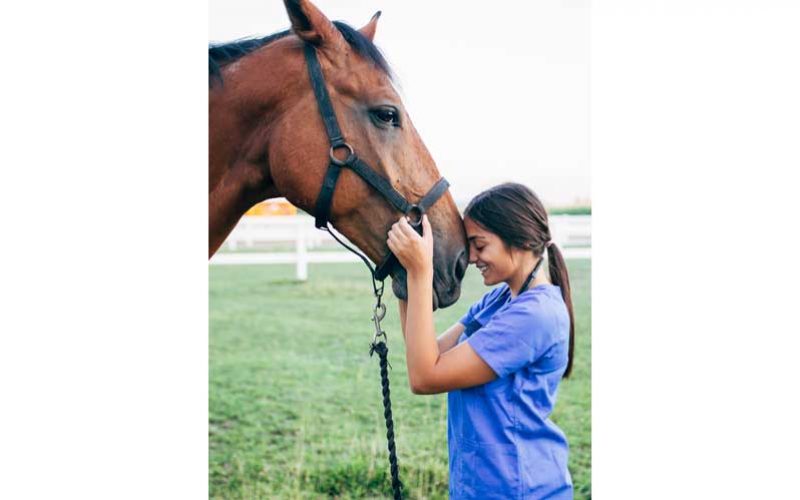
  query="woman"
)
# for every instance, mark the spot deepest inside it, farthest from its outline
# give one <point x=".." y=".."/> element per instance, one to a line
<point x="502" y="362"/>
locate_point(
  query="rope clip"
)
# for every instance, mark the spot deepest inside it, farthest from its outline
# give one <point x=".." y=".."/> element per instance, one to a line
<point x="378" y="314"/>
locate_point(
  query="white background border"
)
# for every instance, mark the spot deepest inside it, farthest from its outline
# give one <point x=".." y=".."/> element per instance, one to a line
<point x="103" y="362"/>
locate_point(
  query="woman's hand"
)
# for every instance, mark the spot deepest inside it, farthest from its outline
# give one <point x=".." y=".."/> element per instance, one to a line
<point x="414" y="252"/>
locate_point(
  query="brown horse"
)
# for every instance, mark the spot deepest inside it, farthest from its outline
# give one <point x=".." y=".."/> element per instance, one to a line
<point x="267" y="140"/>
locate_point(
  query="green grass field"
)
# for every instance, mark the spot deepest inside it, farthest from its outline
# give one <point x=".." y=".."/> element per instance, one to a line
<point x="294" y="398"/>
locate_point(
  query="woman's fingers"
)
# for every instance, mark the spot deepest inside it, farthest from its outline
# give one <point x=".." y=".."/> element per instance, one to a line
<point x="411" y="249"/>
<point x="404" y="233"/>
<point x="398" y="229"/>
<point x="397" y="232"/>
<point x="398" y="244"/>
<point x="396" y="240"/>
<point x="406" y="228"/>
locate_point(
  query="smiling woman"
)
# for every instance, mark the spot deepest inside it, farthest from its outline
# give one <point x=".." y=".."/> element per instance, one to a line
<point x="501" y="364"/>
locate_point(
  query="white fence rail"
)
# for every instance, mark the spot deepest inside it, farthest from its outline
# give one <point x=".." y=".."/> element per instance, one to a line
<point x="572" y="233"/>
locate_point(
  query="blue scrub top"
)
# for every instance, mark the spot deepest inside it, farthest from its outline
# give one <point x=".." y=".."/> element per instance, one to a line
<point x="502" y="443"/>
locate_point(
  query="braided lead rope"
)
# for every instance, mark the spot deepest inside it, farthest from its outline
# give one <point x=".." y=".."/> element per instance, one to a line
<point x="383" y="351"/>
<point x="379" y="345"/>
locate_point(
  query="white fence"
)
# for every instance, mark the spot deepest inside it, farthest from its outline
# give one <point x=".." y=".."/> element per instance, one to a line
<point x="572" y="233"/>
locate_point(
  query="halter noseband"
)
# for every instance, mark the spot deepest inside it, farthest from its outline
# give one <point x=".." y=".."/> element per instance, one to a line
<point x="354" y="163"/>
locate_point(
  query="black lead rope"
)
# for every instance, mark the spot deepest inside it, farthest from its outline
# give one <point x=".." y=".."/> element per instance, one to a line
<point x="377" y="291"/>
<point x="379" y="345"/>
<point x="383" y="351"/>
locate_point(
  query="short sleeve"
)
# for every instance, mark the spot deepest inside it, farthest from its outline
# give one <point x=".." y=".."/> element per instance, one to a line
<point x="513" y="338"/>
<point x="480" y="305"/>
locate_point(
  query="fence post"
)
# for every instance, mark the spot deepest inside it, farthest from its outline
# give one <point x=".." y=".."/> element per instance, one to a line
<point x="249" y="240"/>
<point x="302" y="253"/>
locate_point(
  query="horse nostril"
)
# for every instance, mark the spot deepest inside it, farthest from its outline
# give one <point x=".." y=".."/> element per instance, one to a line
<point x="461" y="265"/>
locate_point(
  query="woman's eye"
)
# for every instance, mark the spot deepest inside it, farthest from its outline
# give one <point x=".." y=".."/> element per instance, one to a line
<point x="387" y="115"/>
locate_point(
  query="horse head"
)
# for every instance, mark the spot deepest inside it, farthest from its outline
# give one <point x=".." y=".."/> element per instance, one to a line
<point x="284" y="148"/>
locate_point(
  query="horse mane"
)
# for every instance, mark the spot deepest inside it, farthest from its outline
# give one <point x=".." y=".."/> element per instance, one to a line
<point x="222" y="54"/>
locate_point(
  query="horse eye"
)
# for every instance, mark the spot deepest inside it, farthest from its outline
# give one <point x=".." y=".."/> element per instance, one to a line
<point x="387" y="115"/>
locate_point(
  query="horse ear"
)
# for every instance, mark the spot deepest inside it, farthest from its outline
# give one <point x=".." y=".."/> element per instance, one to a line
<point x="311" y="25"/>
<point x="369" y="29"/>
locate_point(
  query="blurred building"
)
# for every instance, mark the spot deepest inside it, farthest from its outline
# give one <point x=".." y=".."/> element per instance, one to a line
<point x="275" y="206"/>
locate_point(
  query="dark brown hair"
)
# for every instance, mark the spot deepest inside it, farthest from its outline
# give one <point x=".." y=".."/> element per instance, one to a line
<point x="516" y="215"/>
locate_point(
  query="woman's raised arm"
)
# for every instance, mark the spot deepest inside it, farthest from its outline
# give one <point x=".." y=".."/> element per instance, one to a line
<point x="446" y="341"/>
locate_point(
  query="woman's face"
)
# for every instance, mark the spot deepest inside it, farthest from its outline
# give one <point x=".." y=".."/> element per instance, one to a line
<point x="489" y="253"/>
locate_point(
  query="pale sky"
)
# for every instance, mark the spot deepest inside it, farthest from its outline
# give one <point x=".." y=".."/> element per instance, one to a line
<point x="497" y="93"/>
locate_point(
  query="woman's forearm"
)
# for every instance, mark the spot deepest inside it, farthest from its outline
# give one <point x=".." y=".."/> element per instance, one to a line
<point x="422" y="351"/>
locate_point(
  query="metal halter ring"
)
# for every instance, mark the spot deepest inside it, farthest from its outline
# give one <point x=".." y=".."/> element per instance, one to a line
<point x="414" y="213"/>
<point x="351" y="155"/>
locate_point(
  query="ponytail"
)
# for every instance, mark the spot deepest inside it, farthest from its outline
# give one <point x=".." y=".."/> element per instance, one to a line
<point x="560" y="277"/>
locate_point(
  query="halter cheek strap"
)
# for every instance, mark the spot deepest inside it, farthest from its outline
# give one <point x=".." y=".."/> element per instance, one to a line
<point x="369" y="175"/>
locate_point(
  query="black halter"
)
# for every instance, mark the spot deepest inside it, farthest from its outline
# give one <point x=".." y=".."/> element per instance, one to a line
<point x="384" y="187"/>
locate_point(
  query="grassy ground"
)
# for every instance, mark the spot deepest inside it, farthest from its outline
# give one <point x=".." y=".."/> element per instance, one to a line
<point x="294" y="399"/>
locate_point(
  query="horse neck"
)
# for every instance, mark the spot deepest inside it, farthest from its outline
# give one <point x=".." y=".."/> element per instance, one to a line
<point x="239" y="172"/>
